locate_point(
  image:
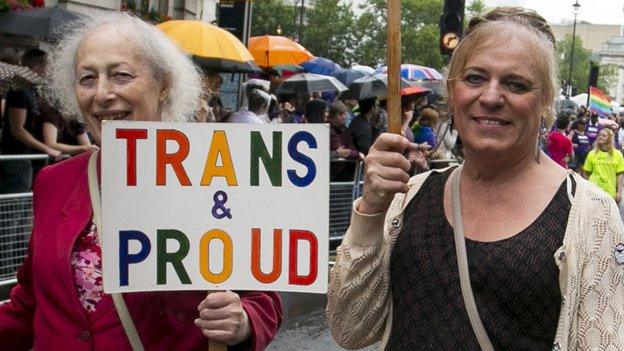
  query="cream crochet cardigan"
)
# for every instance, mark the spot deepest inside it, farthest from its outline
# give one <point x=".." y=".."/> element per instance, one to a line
<point x="359" y="309"/>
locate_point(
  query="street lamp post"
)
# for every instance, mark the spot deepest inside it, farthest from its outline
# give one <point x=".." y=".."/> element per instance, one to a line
<point x="295" y="2"/>
<point x="298" y="33"/>
<point x="301" y="21"/>
<point x="575" y="8"/>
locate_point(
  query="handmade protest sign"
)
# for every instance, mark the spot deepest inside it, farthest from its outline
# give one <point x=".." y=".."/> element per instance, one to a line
<point x="190" y="206"/>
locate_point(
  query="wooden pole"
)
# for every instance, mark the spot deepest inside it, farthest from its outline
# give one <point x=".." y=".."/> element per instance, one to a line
<point x="216" y="346"/>
<point x="393" y="58"/>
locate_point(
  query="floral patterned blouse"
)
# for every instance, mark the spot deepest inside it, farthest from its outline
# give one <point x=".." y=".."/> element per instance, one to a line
<point x="86" y="262"/>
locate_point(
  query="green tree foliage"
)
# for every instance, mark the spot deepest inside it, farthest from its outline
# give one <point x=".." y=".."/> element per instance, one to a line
<point x="580" y="64"/>
<point x="330" y="31"/>
<point x="475" y="8"/>
<point x="333" y="30"/>
<point x="419" y="32"/>
<point x="580" y="68"/>
<point x="268" y="15"/>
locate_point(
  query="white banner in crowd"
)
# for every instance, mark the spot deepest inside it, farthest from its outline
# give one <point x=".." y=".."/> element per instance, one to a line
<point x="190" y="206"/>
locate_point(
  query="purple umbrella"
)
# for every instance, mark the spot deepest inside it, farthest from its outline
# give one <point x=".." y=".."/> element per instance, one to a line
<point x="320" y="65"/>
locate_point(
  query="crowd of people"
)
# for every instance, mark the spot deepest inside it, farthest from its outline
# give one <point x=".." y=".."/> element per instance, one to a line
<point x="30" y="124"/>
<point x="590" y="145"/>
<point x="33" y="125"/>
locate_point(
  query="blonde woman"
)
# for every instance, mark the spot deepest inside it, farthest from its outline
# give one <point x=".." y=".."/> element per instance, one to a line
<point x="604" y="165"/>
<point x="508" y="251"/>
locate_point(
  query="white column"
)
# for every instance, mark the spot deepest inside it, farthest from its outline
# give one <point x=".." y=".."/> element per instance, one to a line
<point x="619" y="90"/>
<point x="210" y="11"/>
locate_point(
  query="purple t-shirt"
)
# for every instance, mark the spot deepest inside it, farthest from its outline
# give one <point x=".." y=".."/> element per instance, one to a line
<point x="582" y="142"/>
<point x="592" y="131"/>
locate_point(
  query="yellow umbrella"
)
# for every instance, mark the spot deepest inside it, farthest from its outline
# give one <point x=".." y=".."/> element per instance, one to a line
<point x="271" y="50"/>
<point x="212" y="47"/>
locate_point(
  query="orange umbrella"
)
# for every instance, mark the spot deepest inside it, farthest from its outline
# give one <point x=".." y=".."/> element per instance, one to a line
<point x="212" y="47"/>
<point x="271" y="50"/>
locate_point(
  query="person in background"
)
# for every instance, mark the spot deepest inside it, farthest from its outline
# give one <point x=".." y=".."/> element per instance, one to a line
<point x="341" y="146"/>
<point x="211" y="107"/>
<point x="620" y="133"/>
<point x="604" y="165"/>
<point x="379" y="121"/>
<point x="558" y="145"/>
<point x="352" y="105"/>
<point x="11" y="61"/>
<point x="340" y="143"/>
<point x="258" y="101"/>
<point x="407" y="114"/>
<point x="423" y="129"/>
<point x="22" y="131"/>
<point x="615" y="128"/>
<point x="315" y="111"/>
<point x="70" y="137"/>
<point x="113" y="66"/>
<point x="593" y="127"/>
<point x="580" y="143"/>
<point x="446" y="138"/>
<point x="533" y="250"/>
<point x="582" y="111"/>
<point x="360" y="127"/>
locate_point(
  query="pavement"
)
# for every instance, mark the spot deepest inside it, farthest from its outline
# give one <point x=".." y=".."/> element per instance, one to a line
<point x="305" y="326"/>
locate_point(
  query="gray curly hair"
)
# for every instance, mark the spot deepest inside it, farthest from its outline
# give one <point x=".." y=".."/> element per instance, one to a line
<point x="168" y="63"/>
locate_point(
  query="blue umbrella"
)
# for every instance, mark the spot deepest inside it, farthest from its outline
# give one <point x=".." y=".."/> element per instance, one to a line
<point x="320" y="65"/>
<point x="346" y="76"/>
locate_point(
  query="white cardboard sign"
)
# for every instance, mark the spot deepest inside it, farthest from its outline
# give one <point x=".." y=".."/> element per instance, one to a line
<point x="190" y="206"/>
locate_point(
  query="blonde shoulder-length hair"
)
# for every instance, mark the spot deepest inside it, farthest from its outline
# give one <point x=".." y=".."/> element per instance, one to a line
<point x="610" y="141"/>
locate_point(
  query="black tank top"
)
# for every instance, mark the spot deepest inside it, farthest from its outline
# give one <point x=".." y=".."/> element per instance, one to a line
<point x="514" y="281"/>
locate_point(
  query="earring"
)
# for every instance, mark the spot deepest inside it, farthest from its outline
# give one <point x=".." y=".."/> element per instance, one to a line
<point x="450" y="121"/>
<point x="538" y="151"/>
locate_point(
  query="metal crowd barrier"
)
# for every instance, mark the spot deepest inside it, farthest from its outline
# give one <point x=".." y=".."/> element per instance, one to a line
<point x="15" y="226"/>
<point x="16" y="218"/>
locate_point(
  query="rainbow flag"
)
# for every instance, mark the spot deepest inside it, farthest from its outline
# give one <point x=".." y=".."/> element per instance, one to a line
<point x="599" y="102"/>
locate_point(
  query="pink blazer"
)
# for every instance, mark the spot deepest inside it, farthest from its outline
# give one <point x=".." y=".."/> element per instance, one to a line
<point x="44" y="312"/>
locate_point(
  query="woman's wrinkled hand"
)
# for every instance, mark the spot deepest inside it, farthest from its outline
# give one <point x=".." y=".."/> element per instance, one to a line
<point x="223" y="319"/>
<point x="386" y="172"/>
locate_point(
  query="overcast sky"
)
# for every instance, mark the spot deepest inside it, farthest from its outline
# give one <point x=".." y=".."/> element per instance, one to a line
<point x="593" y="11"/>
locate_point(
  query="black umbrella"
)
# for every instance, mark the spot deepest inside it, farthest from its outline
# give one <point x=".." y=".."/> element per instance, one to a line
<point x="367" y="87"/>
<point x="223" y="65"/>
<point x="308" y="83"/>
<point x="346" y="76"/>
<point x="16" y="78"/>
<point x="45" y="23"/>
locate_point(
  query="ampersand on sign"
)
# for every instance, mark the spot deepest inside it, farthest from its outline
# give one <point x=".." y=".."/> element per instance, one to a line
<point x="219" y="210"/>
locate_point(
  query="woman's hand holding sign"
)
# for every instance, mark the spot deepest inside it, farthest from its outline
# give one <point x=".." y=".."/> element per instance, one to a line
<point x="223" y="319"/>
<point x="387" y="172"/>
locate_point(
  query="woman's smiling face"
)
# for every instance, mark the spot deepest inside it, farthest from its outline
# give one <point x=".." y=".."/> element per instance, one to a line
<point x="115" y="81"/>
<point x="496" y="99"/>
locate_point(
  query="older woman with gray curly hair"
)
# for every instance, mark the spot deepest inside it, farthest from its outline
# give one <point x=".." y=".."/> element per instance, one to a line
<point x="115" y="67"/>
